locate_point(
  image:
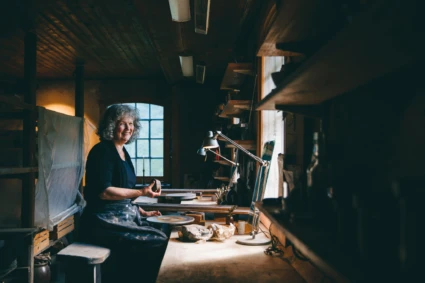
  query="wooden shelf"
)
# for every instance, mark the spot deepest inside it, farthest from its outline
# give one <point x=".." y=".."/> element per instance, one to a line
<point x="247" y="144"/>
<point x="233" y="108"/>
<point x="235" y="75"/>
<point x="12" y="114"/>
<point x="294" y="22"/>
<point x="17" y="170"/>
<point x="374" y="45"/>
<point x="14" y="101"/>
<point x="194" y="207"/>
<point x="224" y="179"/>
<point x="51" y="243"/>
<point x="6" y="233"/>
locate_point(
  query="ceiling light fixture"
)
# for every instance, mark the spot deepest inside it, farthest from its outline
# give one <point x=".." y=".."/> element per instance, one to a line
<point x="200" y="73"/>
<point x="202" y="16"/>
<point x="180" y="10"/>
<point x="186" y="63"/>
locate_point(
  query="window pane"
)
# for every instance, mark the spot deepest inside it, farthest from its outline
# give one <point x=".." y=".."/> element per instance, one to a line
<point x="157" y="129"/>
<point x="134" y="164"/>
<point x="157" y="112"/>
<point x="157" y="148"/>
<point x="131" y="148"/>
<point x="143" y="110"/>
<point x="157" y="167"/>
<point x="140" y="163"/>
<point x="144" y="132"/>
<point x="142" y="148"/>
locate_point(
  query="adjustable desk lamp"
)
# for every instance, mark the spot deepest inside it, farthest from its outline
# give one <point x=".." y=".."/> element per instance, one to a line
<point x="203" y="152"/>
<point x="211" y="142"/>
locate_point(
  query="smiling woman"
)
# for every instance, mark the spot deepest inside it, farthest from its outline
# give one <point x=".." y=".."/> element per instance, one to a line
<point x="147" y="153"/>
<point x="110" y="217"/>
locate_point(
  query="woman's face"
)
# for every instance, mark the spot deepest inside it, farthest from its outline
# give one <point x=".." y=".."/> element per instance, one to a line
<point x="124" y="130"/>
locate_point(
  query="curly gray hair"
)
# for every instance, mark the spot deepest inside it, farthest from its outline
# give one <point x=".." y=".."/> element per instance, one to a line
<point x="112" y="115"/>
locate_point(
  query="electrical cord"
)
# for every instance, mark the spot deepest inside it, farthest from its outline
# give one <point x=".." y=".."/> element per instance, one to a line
<point x="274" y="249"/>
<point x="267" y="233"/>
<point x="298" y="254"/>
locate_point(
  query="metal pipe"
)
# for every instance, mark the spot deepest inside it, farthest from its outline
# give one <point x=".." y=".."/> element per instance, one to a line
<point x="234" y="163"/>
<point x="256" y="158"/>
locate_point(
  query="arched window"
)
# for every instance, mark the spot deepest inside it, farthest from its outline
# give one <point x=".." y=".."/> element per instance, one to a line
<point x="147" y="152"/>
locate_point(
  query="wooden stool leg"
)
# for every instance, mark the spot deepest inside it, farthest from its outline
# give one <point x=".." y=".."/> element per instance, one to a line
<point x="82" y="273"/>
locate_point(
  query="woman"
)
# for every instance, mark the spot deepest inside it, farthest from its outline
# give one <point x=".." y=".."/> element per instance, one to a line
<point x="109" y="218"/>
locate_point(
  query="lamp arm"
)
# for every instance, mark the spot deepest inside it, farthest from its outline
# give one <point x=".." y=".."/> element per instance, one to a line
<point x="256" y="158"/>
<point x="235" y="164"/>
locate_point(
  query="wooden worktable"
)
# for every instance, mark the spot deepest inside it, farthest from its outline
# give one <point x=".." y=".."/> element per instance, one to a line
<point x="189" y="205"/>
<point x="222" y="262"/>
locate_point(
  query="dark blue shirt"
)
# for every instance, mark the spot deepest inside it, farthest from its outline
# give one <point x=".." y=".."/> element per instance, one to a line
<point x="104" y="169"/>
<point x="131" y="177"/>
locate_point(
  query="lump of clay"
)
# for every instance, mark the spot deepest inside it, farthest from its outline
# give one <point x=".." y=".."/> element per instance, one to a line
<point x="220" y="232"/>
<point x="194" y="233"/>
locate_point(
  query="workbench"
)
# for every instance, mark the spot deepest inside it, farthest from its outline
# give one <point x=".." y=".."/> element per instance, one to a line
<point x="226" y="261"/>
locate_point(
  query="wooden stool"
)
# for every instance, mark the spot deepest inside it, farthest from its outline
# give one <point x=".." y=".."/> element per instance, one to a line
<point x="82" y="262"/>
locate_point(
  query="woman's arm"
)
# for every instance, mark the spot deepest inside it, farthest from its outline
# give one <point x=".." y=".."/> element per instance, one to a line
<point x="115" y="193"/>
<point x="149" y="213"/>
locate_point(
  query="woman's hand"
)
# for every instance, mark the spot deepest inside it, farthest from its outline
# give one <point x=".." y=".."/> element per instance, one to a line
<point x="149" y="213"/>
<point x="147" y="191"/>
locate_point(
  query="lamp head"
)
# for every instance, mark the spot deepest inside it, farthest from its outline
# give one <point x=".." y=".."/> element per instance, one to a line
<point x="210" y="141"/>
<point x="201" y="151"/>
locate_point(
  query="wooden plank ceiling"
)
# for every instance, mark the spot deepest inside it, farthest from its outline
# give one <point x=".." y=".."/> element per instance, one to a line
<point x="124" y="39"/>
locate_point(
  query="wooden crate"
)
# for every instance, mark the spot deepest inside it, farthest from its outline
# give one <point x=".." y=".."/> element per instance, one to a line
<point x="199" y="218"/>
<point x="41" y="241"/>
<point x="63" y="228"/>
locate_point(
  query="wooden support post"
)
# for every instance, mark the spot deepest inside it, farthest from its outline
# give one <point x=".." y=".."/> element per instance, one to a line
<point x="175" y="152"/>
<point x="28" y="181"/>
<point x="79" y="89"/>
<point x="28" y="193"/>
<point x="79" y="112"/>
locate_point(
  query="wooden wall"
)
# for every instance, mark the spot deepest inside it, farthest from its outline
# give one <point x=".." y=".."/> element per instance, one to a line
<point x="59" y="96"/>
<point x="193" y="110"/>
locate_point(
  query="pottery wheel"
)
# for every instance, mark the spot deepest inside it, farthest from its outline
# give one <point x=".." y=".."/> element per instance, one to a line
<point x="171" y="219"/>
<point x="181" y="196"/>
